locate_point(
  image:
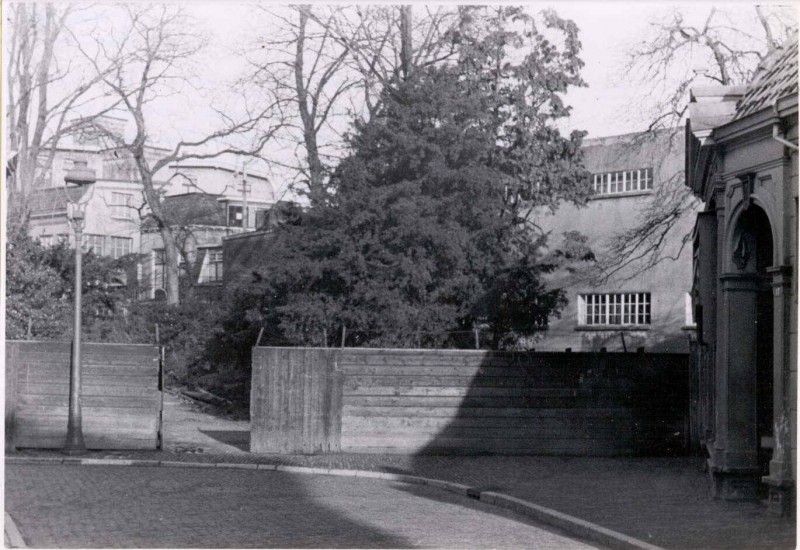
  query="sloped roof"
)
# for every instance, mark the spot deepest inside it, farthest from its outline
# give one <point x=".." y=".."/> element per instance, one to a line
<point x="776" y="77"/>
<point x="54" y="199"/>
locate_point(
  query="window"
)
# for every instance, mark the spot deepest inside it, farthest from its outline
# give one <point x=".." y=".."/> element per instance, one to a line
<point x="120" y="246"/>
<point x="627" y="181"/>
<point x="94" y="243"/>
<point x="262" y="217"/>
<point x="53" y="240"/>
<point x="212" y="267"/>
<point x="122" y="205"/>
<point x="614" y="309"/>
<point x="235" y="216"/>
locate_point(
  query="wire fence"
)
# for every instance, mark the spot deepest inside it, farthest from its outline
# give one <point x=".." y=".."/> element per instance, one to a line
<point x="375" y="338"/>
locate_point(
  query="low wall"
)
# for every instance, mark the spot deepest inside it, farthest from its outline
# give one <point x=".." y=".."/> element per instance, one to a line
<point x="120" y="398"/>
<point x="430" y="401"/>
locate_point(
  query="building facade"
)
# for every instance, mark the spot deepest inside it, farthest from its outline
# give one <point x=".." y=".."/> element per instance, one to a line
<point x="741" y="161"/>
<point x="206" y="201"/>
<point x="620" y="305"/>
<point x="200" y="222"/>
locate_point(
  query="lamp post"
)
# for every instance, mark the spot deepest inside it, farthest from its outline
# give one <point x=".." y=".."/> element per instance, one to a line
<point x="80" y="175"/>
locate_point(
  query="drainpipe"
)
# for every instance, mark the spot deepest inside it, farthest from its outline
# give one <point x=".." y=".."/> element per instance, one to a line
<point x="777" y="134"/>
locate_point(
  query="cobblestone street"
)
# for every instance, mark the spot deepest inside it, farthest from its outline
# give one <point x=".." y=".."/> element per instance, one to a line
<point x="106" y="506"/>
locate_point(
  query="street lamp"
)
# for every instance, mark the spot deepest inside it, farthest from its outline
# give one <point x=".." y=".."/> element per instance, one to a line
<point x="80" y="175"/>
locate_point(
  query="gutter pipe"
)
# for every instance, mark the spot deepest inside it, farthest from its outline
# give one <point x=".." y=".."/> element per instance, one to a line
<point x="777" y="134"/>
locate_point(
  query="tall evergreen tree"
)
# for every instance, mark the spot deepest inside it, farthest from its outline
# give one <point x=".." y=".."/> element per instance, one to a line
<point x="430" y="228"/>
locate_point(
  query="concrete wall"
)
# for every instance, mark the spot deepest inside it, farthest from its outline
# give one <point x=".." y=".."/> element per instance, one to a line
<point x="433" y="401"/>
<point x="606" y="216"/>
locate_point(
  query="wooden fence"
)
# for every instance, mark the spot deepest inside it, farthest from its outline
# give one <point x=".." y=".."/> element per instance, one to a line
<point x="120" y="401"/>
<point x="424" y="401"/>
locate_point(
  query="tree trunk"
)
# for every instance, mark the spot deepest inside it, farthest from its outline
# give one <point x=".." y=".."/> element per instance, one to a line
<point x="316" y="171"/>
<point x="171" y="278"/>
<point x="406" y="48"/>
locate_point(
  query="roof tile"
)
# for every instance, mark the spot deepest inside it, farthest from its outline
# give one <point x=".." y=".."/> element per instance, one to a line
<point x="776" y="77"/>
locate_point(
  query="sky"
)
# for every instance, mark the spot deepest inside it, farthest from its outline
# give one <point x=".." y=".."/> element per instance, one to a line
<point x="607" y="106"/>
<point x="607" y="30"/>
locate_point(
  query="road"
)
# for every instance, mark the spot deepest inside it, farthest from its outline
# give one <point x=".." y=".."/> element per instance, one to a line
<point x="69" y="506"/>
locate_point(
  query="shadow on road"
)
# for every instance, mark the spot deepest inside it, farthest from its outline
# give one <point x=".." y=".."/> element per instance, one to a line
<point x="236" y="438"/>
<point x="112" y="507"/>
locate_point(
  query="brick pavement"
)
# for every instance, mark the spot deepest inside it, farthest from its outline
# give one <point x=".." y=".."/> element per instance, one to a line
<point x="663" y="501"/>
<point x="70" y="506"/>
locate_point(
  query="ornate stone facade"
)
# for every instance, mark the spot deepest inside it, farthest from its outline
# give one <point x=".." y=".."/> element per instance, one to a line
<point x="742" y="162"/>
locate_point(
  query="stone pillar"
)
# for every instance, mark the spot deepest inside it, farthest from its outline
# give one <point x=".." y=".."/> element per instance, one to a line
<point x="781" y="479"/>
<point x="734" y="466"/>
<point x="720" y="374"/>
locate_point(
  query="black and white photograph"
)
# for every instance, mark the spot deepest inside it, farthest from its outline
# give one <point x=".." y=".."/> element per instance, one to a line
<point x="426" y="275"/>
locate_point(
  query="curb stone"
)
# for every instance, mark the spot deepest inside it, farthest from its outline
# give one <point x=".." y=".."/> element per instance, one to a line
<point x="548" y="516"/>
<point x="12" y="534"/>
<point x="583" y="528"/>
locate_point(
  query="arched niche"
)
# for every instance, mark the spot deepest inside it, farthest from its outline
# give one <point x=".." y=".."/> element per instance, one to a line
<point x="750" y="253"/>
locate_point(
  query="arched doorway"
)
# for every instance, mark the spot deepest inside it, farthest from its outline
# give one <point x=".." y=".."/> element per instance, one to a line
<point x="753" y="254"/>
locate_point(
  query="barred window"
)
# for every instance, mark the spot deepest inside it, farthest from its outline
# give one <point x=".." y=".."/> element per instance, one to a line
<point x="122" y="205"/>
<point x="94" y="243"/>
<point x="614" y="309"/>
<point x="211" y="271"/>
<point x="612" y="183"/>
<point x="121" y="246"/>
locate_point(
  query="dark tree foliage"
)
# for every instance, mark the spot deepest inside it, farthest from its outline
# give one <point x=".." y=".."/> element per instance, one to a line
<point x="428" y="230"/>
<point x="40" y="289"/>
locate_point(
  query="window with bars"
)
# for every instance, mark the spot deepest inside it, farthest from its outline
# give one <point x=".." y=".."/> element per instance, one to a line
<point x="94" y="243"/>
<point x="122" y="205"/>
<point x="625" y="181"/>
<point x="614" y="309"/>
<point x="121" y="246"/>
<point x="211" y="271"/>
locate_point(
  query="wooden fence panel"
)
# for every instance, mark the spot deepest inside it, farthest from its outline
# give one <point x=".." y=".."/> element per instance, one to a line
<point x="296" y="403"/>
<point x="420" y="401"/>
<point x="120" y="399"/>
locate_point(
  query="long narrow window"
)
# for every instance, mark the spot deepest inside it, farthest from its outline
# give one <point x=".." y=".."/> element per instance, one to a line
<point x="614" y="309"/>
<point x="159" y="269"/>
<point x="625" y="181"/>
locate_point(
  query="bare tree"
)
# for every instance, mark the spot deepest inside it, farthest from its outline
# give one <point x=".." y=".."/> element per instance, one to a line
<point x="46" y="90"/>
<point x="326" y="64"/>
<point x="302" y="73"/>
<point x="725" y="48"/>
<point x="146" y="62"/>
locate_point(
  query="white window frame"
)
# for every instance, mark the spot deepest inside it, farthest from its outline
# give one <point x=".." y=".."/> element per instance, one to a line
<point x="619" y="182"/>
<point x="615" y="309"/>
<point x="114" y="249"/>
<point x="87" y="237"/>
<point x="121" y="205"/>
